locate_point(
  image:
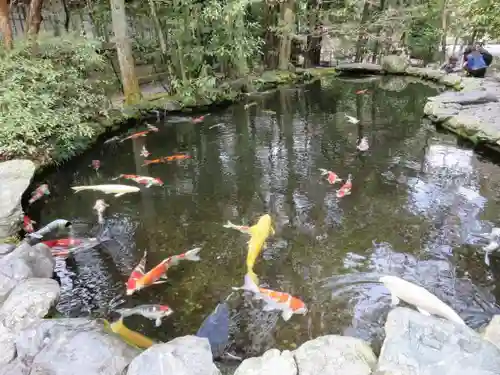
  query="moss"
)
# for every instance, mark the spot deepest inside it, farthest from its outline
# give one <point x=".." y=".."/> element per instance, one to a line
<point x="13" y="240"/>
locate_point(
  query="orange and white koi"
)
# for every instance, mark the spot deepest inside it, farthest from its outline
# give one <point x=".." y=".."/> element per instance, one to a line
<point x="166" y="159"/>
<point x="136" y="135"/>
<point x="145" y="180"/>
<point x="273" y="300"/>
<point x="361" y="91"/>
<point x="39" y="192"/>
<point x="139" y="279"/>
<point x="332" y="177"/>
<point x="28" y="224"/>
<point x="346" y="188"/>
<point x="144" y="152"/>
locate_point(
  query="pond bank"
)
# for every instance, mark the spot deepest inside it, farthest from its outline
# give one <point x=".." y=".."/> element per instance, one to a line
<point x="414" y="344"/>
<point x="472" y="113"/>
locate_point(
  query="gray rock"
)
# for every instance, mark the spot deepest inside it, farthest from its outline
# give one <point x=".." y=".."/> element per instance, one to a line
<point x="6" y="248"/>
<point x="23" y="263"/>
<point x="29" y="302"/>
<point x="465" y="98"/>
<point x="439" y="112"/>
<point x="332" y="354"/>
<point x="359" y="68"/>
<point x="7" y="346"/>
<point x="492" y="331"/>
<point x="426" y="345"/>
<point x="395" y="64"/>
<point x="271" y="362"/>
<point x="16" y="176"/>
<point x="72" y="346"/>
<point x="187" y="355"/>
<point x="15" y="368"/>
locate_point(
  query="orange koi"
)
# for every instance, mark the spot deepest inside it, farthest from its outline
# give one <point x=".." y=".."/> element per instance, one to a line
<point x="136" y="135"/>
<point x="346" y="188"/>
<point x="332" y="177"/>
<point x="139" y="279"/>
<point x="166" y="159"/>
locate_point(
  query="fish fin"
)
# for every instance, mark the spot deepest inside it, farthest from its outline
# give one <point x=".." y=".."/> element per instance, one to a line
<point x="287" y="314"/>
<point x="394" y="299"/>
<point x="323" y="171"/>
<point x="159" y="282"/>
<point x="250" y="284"/>
<point x="270" y="307"/>
<point x="229" y="225"/>
<point x="116" y="178"/>
<point x="253" y="276"/>
<point x="192" y="255"/>
<point x="158" y="322"/>
<point x="118" y="195"/>
<point x="493" y="245"/>
<point x="423" y="312"/>
<point x="487" y="258"/>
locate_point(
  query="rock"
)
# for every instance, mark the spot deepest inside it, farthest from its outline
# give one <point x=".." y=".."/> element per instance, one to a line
<point x="187" y="355"/>
<point x="6" y="248"/>
<point x="72" y="346"/>
<point x="272" y="362"/>
<point x="28" y="302"/>
<point x="492" y="331"/>
<point x="16" y="176"/>
<point x="465" y="98"/>
<point x="426" y="345"/>
<point x="395" y="64"/>
<point x="332" y="354"/>
<point x="23" y="263"/>
<point x="359" y="68"/>
<point x="439" y="112"/>
<point x="7" y="346"/>
<point x="395" y="83"/>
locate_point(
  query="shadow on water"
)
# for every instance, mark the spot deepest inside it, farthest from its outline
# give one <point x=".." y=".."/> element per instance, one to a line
<point x="405" y="216"/>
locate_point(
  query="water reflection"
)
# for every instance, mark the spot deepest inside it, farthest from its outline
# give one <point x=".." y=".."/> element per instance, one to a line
<point x="408" y="214"/>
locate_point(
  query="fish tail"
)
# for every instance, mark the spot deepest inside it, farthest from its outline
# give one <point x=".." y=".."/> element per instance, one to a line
<point x="249" y="283"/>
<point x="147" y="162"/>
<point x="323" y="171"/>
<point x="192" y="255"/>
<point x="79" y="188"/>
<point x="253" y="276"/>
<point x="100" y="219"/>
<point x="116" y="178"/>
<point x="229" y="225"/>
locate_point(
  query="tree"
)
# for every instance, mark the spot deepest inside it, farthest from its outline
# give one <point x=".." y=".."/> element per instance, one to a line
<point x="131" y="89"/>
<point x="5" y="26"/>
<point x="34" y="18"/>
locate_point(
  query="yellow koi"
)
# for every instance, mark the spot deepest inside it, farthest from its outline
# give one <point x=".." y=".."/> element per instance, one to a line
<point x="132" y="338"/>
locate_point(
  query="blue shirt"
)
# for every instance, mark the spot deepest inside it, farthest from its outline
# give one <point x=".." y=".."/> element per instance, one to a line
<point x="475" y="61"/>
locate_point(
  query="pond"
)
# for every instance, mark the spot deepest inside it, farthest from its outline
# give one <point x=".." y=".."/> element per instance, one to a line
<point x="406" y="215"/>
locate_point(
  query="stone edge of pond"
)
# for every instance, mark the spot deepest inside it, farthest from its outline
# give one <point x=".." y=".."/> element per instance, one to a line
<point x="472" y="111"/>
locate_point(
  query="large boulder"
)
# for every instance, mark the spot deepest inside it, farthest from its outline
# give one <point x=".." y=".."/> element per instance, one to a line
<point x="395" y="64"/>
<point x="271" y="362"/>
<point x="16" y="176"/>
<point x="492" y="331"/>
<point x="7" y="345"/>
<point x="23" y="263"/>
<point x="332" y="354"/>
<point x="70" y="346"/>
<point x="187" y="355"/>
<point x="427" y="345"/>
<point x="28" y="302"/>
<point x="358" y="68"/>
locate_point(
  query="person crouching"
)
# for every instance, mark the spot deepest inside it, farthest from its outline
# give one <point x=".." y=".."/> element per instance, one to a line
<point x="474" y="65"/>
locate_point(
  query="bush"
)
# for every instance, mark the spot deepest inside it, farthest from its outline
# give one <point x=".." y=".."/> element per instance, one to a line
<point x="48" y="105"/>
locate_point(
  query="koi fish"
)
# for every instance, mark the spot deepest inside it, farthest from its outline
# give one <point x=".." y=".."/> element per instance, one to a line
<point x="136" y="135"/>
<point x="130" y="337"/>
<point x="346" y="188"/>
<point x="117" y="190"/>
<point x="197" y="120"/>
<point x="28" y="224"/>
<point x="425" y="302"/>
<point x="361" y="91"/>
<point x="145" y="180"/>
<point x="144" y="152"/>
<point x="166" y="159"/>
<point x="112" y="139"/>
<point x="152" y="128"/>
<point x="63" y="242"/>
<point x="153" y="312"/>
<point x="258" y="236"/>
<point x="96" y="164"/>
<point x="363" y="144"/>
<point x="273" y="300"/>
<point x="100" y="207"/>
<point x="352" y="120"/>
<point x="139" y="279"/>
<point x="39" y="192"/>
<point x="332" y="177"/>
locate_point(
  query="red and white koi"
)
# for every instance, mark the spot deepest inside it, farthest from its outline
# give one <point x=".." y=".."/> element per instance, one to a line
<point x="139" y="279"/>
<point x="28" y="224"/>
<point x="331" y="176"/>
<point x="144" y="152"/>
<point x="273" y="300"/>
<point x="145" y="180"/>
<point x="346" y="188"/>
<point x="96" y="164"/>
<point x="39" y="192"/>
<point x="197" y="120"/>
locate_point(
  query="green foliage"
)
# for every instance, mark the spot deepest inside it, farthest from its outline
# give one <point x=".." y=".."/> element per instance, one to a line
<point x="48" y="105"/>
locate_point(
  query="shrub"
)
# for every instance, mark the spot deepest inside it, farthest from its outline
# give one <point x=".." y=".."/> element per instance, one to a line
<point x="48" y="104"/>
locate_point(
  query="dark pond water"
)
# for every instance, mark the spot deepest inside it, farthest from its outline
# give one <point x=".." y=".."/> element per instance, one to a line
<point x="406" y="214"/>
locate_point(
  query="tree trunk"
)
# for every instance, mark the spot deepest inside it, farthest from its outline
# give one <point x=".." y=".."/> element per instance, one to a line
<point x="5" y="26"/>
<point x="34" y="18"/>
<point x="130" y="83"/>
<point x="444" y="29"/>
<point x="361" y="38"/>
<point x="288" y="18"/>
<point x="159" y="31"/>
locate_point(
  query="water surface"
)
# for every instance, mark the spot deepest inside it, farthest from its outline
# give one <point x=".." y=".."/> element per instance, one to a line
<point x="405" y="216"/>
